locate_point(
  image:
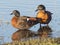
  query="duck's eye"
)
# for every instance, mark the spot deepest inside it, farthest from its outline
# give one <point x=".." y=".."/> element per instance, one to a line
<point x="17" y="15"/>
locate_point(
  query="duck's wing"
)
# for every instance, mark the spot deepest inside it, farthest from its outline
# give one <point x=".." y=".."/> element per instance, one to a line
<point x="22" y="23"/>
<point x="49" y="14"/>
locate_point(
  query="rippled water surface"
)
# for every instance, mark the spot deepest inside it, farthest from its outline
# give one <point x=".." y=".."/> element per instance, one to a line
<point x="27" y="8"/>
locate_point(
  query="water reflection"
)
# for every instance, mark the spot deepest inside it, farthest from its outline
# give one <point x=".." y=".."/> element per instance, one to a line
<point x="22" y="34"/>
<point x="45" y="31"/>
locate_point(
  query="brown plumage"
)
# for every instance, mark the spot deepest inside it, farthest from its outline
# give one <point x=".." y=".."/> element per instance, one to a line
<point x="20" y="22"/>
<point x="43" y="16"/>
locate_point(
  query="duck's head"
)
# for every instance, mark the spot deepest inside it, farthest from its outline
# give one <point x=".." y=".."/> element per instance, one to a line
<point x="41" y="7"/>
<point x="16" y="13"/>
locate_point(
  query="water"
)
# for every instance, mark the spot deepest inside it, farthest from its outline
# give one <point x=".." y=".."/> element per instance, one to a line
<point x="27" y="8"/>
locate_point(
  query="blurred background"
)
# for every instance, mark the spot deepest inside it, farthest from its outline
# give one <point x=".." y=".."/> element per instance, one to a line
<point x="27" y="8"/>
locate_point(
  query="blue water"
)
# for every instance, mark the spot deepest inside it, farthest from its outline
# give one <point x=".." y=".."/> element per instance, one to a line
<point x="27" y="8"/>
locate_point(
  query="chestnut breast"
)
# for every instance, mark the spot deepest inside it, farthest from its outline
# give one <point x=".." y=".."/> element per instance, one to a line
<point x="20" y="22"/>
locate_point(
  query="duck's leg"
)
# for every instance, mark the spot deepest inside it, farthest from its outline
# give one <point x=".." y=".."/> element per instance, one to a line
<point x="40" y="25"/>
<point x="47" y="24"/>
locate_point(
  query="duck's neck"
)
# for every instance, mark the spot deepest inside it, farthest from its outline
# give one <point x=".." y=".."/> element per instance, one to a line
<point x="41" y="11"/>
<point x="17" y="15"/>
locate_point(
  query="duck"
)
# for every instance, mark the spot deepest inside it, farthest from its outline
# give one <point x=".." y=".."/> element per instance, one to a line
<point x="20" y="22"/>
<point x="43" y="16"/>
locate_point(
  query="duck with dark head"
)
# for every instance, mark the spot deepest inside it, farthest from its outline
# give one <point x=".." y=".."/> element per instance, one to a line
<point x="43" y="16"/>
<point x="20" y="22"/>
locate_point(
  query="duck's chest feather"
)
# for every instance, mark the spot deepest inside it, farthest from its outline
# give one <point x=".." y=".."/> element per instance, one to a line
<point x="14" y="21"/>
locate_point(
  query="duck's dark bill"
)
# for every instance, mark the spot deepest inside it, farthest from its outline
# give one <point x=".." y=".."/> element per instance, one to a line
<point x="11" y="14"/>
